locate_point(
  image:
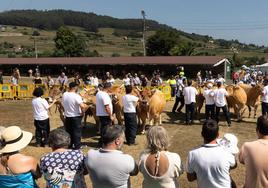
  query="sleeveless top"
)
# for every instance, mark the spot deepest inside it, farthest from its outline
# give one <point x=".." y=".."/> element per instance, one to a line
<point x="24" y="180"/>
<point x="167" y="180"/>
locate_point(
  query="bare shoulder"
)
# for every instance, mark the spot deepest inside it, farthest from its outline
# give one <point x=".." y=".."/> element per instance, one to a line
<point x="24" y="160"/>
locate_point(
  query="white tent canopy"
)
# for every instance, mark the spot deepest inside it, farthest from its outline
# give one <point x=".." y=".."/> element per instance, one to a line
<point x="263" y="68"/>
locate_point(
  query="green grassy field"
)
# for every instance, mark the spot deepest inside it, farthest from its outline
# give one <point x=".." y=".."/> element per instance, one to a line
<point x="105" y="42"/>
<point x="106" y="45"/>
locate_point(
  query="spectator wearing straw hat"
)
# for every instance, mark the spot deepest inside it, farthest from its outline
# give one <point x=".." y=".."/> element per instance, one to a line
<point x="73" y="111"/>
<point x="17" y="170"/>
<point x="41" y="118"/>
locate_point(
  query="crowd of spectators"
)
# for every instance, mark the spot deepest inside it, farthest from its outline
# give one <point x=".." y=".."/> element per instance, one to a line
<point x="210" y="164"/>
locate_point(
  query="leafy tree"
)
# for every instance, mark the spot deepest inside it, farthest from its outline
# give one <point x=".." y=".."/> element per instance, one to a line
<point x="184" y="49"/>
<point x="115" y="55"/>
<point x="53" y="19"/>
<point x="35" y="33"/>
<point x="237" y="61"/>
<point x="136" y="54"/>
<point x="68" y="44"/>
<point x="162" y="42"/>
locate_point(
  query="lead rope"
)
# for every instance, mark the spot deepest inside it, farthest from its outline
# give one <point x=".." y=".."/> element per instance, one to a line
<point x="157" y="157"/>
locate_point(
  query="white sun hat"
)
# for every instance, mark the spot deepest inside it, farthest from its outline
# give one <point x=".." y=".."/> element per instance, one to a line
<point x="229" y="142"/>
<point x="14" y="139"/>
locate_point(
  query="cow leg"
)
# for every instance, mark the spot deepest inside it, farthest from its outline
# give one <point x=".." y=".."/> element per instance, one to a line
<point x="160" y="119"/>
<point x="255" y="110"/>
<point x="243" y="110"/>
<point x="143" y="126"/>
<point x="237" y="112"/>
<point x="249" y="111"/>
<point x="85" y="120"/>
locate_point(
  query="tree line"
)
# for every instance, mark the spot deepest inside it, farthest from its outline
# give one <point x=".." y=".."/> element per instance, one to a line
<point x="54" y="19"/>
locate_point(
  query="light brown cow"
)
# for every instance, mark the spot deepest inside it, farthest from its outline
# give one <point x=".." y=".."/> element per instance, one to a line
<point x="157" y="104"/>
<point x="253" y="97"/>
<point x="143" y="107"/>
<point x="150" y="107"/>
<point x="237" y="99"/>
<point x="89" y="97"/>
<point x="117" y="93"/>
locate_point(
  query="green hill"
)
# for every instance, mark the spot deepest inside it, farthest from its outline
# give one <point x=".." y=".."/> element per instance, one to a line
<point x="107" y="35"/>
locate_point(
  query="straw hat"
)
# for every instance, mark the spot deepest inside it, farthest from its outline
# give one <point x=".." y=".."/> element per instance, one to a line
<point x="14" y="139"/>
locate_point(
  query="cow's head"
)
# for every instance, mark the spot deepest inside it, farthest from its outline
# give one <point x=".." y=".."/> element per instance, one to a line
<point x="259" y="88"/>
<point x="114" y="98"/>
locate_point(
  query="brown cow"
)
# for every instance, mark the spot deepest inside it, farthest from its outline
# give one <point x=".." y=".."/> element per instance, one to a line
<point x="157" y="104"/>
<point x="237" y="99"/>
<point x="150" y="107"/>
<point x="253" y="97"/>
<point x="143" y="107"/>
<point x="89" y="97"/>
<point x="117" y="93"/>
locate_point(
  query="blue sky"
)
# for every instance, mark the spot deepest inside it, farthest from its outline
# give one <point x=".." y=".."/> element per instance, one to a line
<point x="245" y="20"/>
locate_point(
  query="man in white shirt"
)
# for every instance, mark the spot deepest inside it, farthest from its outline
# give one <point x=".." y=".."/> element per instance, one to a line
<point x="189" y="93"/>
<point x="109" y="167"/>
<point x="264" y="104"/>
<point x="62" y="79"/>
<point x="95" y="81"/>
<point x="73" y="112"/>
<point x="210" y="164"/>
<point x="41" y="118"/>
<point x="104" y="108"/>
<point x="210" y="104"/>
<point x="136" y="80"/>
<point x="129" y="105"/>
<point x="219" y="96"/>
<point x="179" y="96"/>
<point x="126" y="80"/>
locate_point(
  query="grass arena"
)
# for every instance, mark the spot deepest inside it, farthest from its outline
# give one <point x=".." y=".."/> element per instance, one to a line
<point x="182" y="138"/>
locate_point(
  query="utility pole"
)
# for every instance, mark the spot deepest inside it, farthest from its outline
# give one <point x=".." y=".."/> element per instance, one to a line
<point x="35" y="48"/>
<point x="144" y="32"/>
